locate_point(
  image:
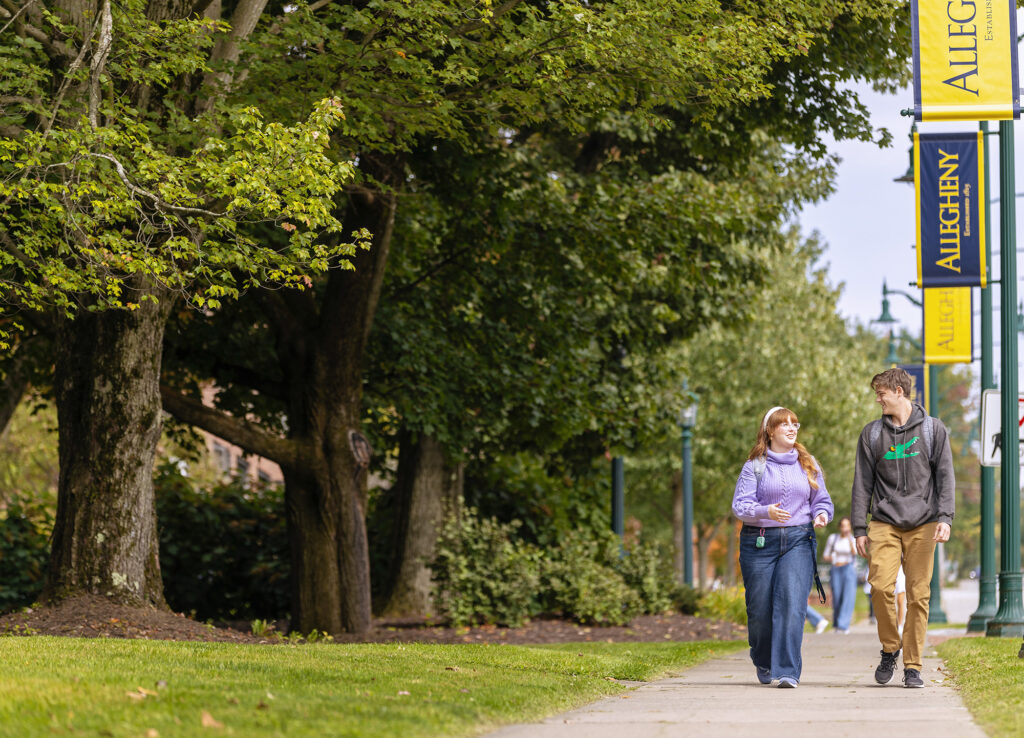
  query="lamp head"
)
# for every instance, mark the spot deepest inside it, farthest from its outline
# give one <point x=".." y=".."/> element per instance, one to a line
<point x="886" y="316"/>
<point x="688" y="413"/>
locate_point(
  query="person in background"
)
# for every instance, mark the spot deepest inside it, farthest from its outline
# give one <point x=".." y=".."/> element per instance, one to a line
<point x="818" y="621"/>
<point x="780" y="496"/>
<point x="841" y="552"/>
<point x="901" y="600"/>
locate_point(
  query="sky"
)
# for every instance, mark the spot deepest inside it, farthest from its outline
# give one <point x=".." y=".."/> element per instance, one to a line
<point x="868" y="223"/>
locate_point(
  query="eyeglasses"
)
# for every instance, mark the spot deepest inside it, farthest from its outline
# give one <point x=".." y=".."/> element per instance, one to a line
<point x="794" y="426"/>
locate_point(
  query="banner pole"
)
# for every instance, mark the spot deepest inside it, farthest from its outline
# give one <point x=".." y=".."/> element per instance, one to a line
<point x="987" y="603"/>
<point x="1009" y="620"/>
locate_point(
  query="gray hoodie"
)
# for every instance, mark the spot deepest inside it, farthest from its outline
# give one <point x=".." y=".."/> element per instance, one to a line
<point x="903" y="486"/>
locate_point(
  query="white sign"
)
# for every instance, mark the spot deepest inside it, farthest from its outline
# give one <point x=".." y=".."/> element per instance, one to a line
<point x="991" y="428"/>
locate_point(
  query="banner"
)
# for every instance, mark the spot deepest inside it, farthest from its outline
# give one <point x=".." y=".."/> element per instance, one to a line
<point x="919" y="378"/>
<point x="965" y="60"/>
<point x="949" y="181"/>
<point x="947" y="325"/>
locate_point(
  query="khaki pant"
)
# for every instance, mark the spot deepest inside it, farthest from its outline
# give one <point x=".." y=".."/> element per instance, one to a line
<point x="917" y="549"/>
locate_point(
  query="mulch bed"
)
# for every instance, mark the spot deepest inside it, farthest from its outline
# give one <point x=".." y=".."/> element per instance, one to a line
<point x="95" y="617"/>
<point x="650" y="628"/>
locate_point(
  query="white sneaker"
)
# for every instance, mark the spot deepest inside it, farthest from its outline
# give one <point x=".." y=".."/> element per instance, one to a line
<point x="821" y="627"/>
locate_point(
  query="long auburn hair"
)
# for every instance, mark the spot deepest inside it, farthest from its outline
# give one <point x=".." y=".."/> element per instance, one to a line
<point x="764" y="435"/>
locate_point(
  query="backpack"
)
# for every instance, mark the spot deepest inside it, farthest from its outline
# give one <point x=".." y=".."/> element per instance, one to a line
<point x="759" y="464"/>
<point x="875" y="435"/>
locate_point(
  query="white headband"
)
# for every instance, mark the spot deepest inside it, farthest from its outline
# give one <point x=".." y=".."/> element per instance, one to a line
<point x="764" y="425"/>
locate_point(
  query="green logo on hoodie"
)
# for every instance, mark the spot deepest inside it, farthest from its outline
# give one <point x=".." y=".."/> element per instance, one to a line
<point x="899" y="451"/>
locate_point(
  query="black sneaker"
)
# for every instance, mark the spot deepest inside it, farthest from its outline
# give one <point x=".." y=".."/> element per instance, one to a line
<point x="887" y="668"/>
<point x="911" y="678"/>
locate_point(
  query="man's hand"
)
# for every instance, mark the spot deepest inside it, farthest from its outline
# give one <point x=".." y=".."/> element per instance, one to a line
<point x="941" y="532"/>
<point x="863" y="545"/>
<point x="820" y="520"/>
<point x="777" y="514"/>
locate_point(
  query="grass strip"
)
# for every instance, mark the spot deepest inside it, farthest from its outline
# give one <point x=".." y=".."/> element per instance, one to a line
<point x="990" y="679"/>
<point x="161" y="689"/>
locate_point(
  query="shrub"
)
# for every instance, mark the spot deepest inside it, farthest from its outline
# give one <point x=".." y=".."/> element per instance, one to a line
<point x="482" y="574"/>
<point x="580" y="581"/>
<point x="648" y="572"/>
<point x="24" y="552"/>
<point x="686" y="599"/>
<point x="727" y="603"/>
<point x="223" y="552"/>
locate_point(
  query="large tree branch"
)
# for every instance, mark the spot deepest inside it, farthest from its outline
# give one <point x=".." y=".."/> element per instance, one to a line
<point x="243" y="23"/>
<point x="238" y="431"/>
<point x="99" y="61"/>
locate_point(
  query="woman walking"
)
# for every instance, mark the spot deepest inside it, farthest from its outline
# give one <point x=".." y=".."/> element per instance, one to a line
<point x="780" y="497"/>
<point x="840" y="551"/>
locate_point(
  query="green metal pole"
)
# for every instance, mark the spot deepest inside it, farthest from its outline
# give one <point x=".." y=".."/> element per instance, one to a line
<point x="987" y="603"/>
<point x="1009" y="619"/>
<point x="935" y="611"/>
<point x="618" y="497"/>
<point x="687" y="507"/>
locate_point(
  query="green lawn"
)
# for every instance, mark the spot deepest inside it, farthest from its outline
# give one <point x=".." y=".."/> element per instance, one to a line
<point x="64" y="686"/>
<point x="990" y="678"/>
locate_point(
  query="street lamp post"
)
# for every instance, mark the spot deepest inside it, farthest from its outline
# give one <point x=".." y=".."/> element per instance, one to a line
<point x="1009" y="619"/>
<point x="935" y="612"/>
<point x="687" y="421"/>
<point x="618" y="497"/>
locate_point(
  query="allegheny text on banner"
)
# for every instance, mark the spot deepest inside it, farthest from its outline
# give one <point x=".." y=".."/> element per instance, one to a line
<point x="965" y="59"/>
<point x="947" y="325"/>
<point x="949" y="188"/>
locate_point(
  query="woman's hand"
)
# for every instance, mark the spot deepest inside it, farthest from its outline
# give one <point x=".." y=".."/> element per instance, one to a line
<point x="820" y="521"/>
<point x="777" y="514"/>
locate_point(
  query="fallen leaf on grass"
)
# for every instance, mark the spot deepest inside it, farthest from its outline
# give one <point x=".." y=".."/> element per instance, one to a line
<point x="135" y="695"/>
<point x="451" y="668"/>
<point x="261" y="705"/>
<point x="147" y="692"/>
<point x="152" y="733"/>
<point x="208" y="721"/>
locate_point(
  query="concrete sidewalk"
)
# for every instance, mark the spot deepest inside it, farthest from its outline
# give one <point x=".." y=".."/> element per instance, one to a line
<point x="837" y="696"/>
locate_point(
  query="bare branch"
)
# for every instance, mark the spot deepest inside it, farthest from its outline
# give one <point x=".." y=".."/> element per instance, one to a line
<point x="160" y="203"/>
<point x="15" y="15"/>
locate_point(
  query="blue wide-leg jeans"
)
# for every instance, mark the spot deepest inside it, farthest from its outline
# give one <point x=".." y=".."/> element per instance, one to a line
<point x="844" y="594"/>
<point x="777" y="579"/>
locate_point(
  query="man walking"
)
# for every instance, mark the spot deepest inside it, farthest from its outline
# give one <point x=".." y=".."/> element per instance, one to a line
<point x="904" y="477"/>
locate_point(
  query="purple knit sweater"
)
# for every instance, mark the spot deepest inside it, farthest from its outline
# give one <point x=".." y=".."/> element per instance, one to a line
<point x="784" y="483"/>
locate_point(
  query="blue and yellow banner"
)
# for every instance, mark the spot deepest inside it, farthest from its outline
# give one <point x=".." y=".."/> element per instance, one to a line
<point x="947" y="325"/>
<point x="919" y="380"/>
<point x="949" y="181"/>
<point x="965" y="59"/>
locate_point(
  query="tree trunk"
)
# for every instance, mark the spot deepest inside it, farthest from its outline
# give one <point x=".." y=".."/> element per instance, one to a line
<point x="14" y="384"/>
<point x="677" y="526"/>
<point x="702" y="561"/>
<point x="324" y="379"/>
<point x="320" y="346"/>
<point x="425" y="487"/>
<point x="108" y="410"/>
<point x="731" y="563"/>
